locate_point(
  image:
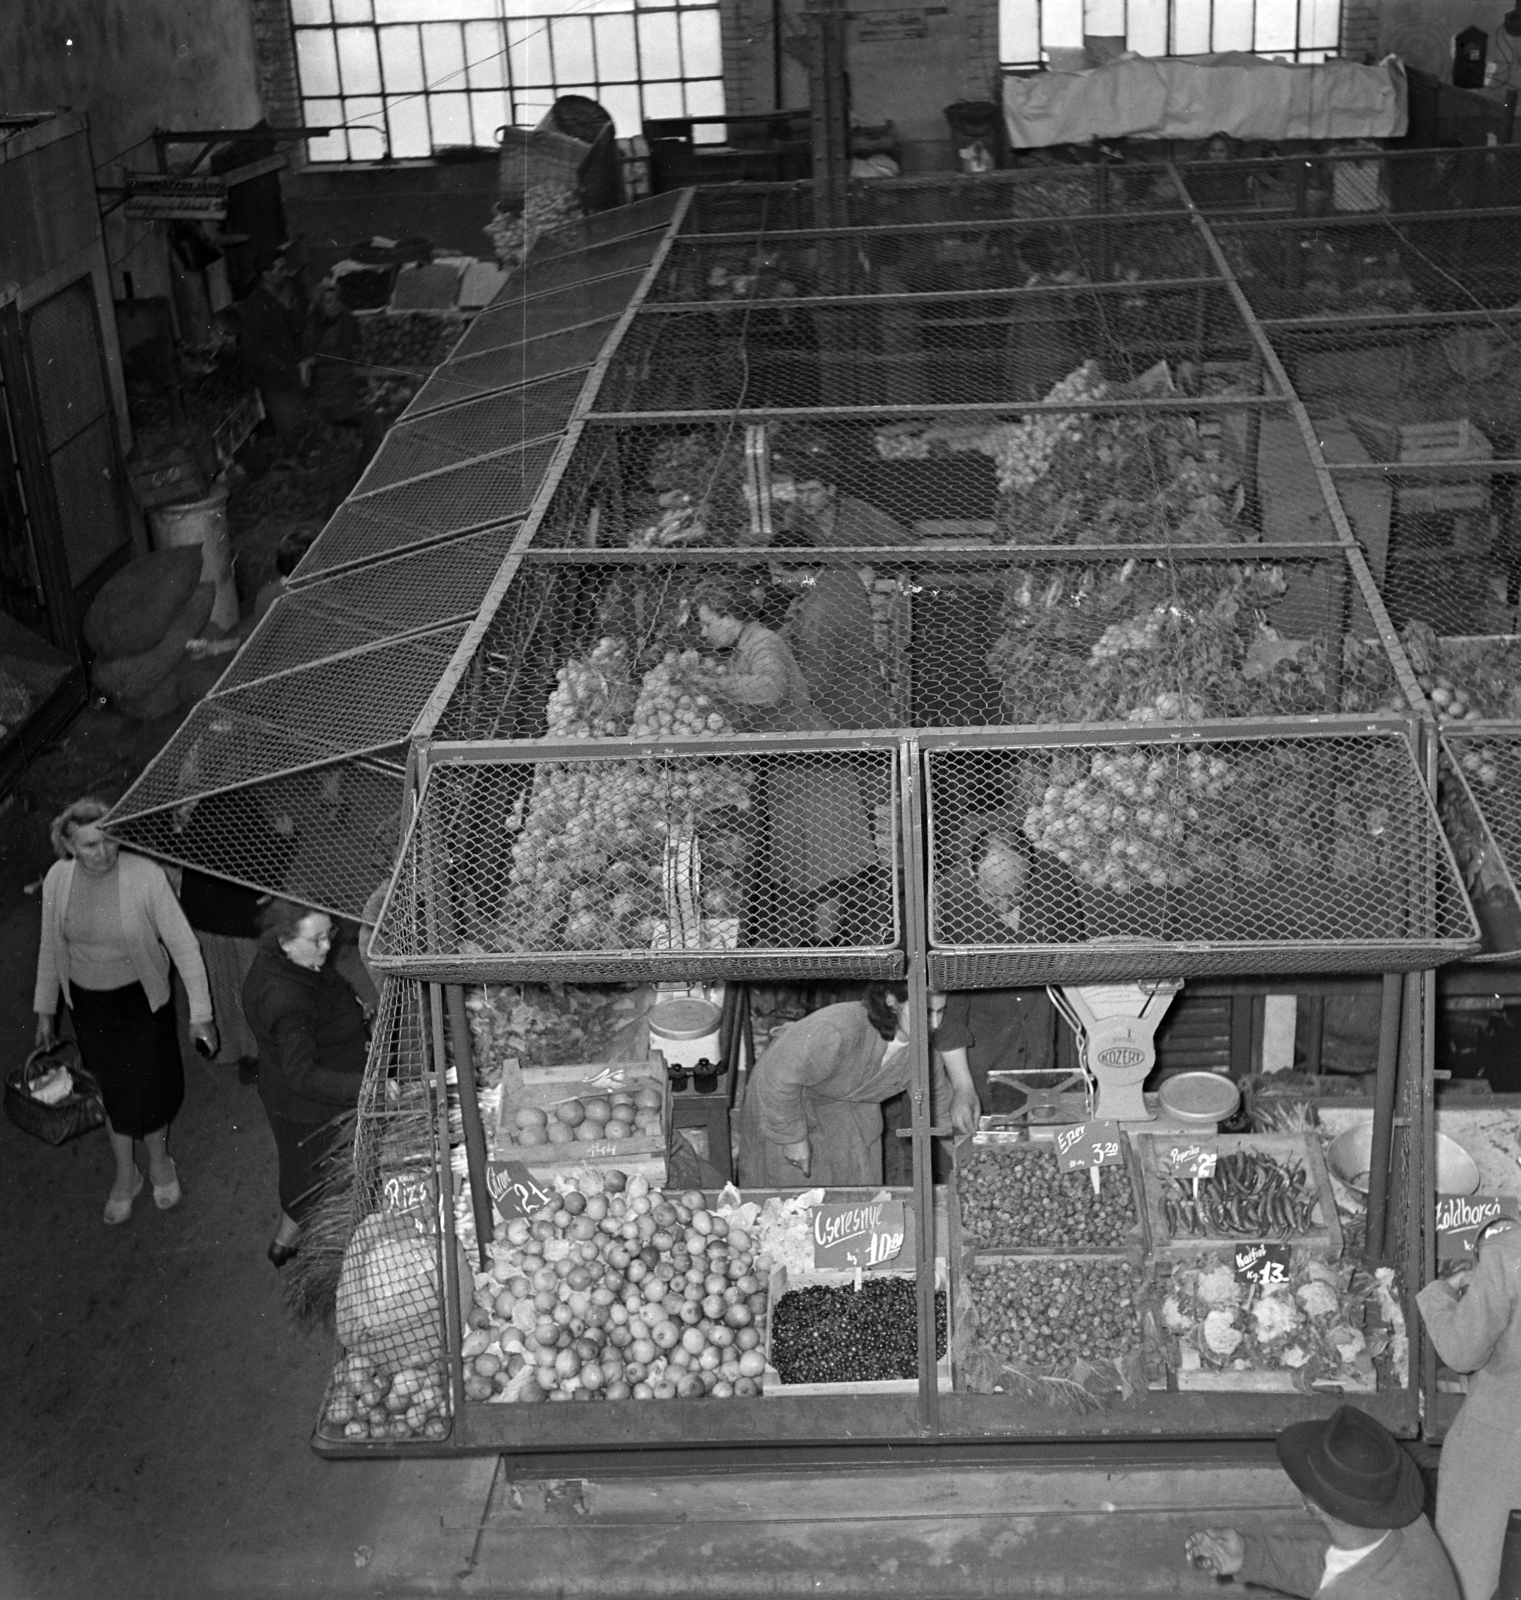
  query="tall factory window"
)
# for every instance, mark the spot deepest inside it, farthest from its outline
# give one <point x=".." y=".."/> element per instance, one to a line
<point x="424" y="74"/>
<point x="1036" y="32"/>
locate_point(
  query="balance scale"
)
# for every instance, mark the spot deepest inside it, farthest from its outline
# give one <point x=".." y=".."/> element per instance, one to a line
<point x="1115" y="1026"/>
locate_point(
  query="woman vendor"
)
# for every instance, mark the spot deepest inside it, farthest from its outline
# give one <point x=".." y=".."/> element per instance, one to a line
<point x="1479" y="1332"/>
<point x="822" y="866"/>
<point x="999" y="891"/>
<point x="812" y="1109"/>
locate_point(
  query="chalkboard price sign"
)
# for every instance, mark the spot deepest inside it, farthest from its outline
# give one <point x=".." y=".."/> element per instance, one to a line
<point x="1089" y="1144"/>
<point x="1262" y="1265"/>
<point x="406" y="1194"/>
<point x="1191" y="1161"/>
<point x="1459" y="1217"/>
<point x="858" y="1235"/>
<point x="514" y="1190"/>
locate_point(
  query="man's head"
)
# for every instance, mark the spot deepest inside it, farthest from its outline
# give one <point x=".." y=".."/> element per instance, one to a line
<point x="1355" y="1479"/>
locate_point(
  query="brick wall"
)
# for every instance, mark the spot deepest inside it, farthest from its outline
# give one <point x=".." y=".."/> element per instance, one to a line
<point x="1359" y="29"/>
<point x="279" y="88"/>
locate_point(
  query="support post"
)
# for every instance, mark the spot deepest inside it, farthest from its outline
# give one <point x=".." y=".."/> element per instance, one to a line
<point x="470" y="1115"/>
<point x="1383" y="1116"/>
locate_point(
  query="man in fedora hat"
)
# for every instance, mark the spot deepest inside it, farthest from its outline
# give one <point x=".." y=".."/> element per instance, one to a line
<point x="1373" y="1543"/>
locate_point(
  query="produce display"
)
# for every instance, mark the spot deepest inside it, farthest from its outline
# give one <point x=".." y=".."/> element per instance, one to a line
<point x="365" y="1402"/>
<point x="403" y="347"/>
<point x="1064" y="1328"/>
<point x="1251" y="1195"/>
<point x="1014" y="1196"/>
<point x="837" y="1333"/>
<point x="616" y="1292"/>
<point x="539" y="1026"/>
<point x="593" y="1118"/>
<point x="1326" y="1321"/>
<point x="1466" y="680"/>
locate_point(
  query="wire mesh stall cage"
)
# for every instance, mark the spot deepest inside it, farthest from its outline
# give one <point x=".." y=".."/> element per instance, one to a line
<point x="829" y="558"/>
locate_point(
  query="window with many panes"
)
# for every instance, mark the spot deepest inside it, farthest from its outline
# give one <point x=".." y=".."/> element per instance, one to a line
<point x="1029" y="31"/>
<point x="451" y="72"/>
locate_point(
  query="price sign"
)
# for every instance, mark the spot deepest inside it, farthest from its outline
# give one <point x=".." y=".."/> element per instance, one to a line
<point x="1191" y="1161"/>
<point x="1089" y="1144"/>
<point x="514" y="1190"/>
<point x="1262" y="1265"/>
<point x="406" y="1194"/>
<point x="858" y="1235"/>
<point x="1459" y="1217"/>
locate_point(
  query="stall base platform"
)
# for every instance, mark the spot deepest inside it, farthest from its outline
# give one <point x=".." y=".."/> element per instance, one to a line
<point x="496" y="1526"/>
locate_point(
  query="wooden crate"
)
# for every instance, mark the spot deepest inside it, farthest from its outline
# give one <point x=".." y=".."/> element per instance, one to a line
<point x="1324" y="1239"/>
<point x="1271" y="1381"/>
<point x="1137" y="1242"/>
<point x="644" y="1153"/>
<point x="781" y="1281"/>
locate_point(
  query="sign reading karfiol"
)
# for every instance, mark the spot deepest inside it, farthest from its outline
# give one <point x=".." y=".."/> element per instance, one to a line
<point x="514" y="1191"/>
<point x="1263" y="1265"/>
<point x="858" y="1234"/>
<point x="1460" y="1216"/>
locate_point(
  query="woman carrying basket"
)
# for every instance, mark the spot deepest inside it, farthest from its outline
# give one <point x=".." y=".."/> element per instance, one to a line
<point x="110" y="929"/>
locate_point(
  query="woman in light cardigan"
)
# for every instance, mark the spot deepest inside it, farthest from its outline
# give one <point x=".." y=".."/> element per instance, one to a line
<point x="110" y="928"/>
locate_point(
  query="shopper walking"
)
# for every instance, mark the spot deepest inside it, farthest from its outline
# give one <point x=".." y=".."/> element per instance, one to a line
<point x="311" y="1038"/>
<point x="1478" y="1331"/>
<point x="111" y="927"/>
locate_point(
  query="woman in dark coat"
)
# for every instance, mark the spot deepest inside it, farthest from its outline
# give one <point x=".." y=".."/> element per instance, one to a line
<point x="311" y="1036"/>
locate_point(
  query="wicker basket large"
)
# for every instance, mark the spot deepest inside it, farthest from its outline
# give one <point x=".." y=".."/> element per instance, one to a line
<point x="80" y="1111"/>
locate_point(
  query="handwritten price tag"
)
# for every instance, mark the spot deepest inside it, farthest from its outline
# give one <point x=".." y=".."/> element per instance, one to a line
<point x="1263" y="1265"/>
<point x="1460" y="1217"/>
<point x="1191" y="1161"/>
<point x="514" y="1190"/>
<point x="858" y="1236"/>
<point x="405" y="1194"/>
<point x="1089" y="1144"/>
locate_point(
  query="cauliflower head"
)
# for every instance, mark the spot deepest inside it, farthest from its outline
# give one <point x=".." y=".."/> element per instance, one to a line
<point x="1221" y="1333"/>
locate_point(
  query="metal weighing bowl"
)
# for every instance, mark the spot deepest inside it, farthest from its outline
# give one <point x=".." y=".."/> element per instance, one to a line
<point x="1199" y="1099"/>
<point x="1351" y="1152"/>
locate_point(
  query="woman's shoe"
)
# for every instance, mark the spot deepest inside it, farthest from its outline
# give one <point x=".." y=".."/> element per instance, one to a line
<point x="119" y="1209"/>
<point x="166" y="1196"/>
<point x="279" y="1253"/>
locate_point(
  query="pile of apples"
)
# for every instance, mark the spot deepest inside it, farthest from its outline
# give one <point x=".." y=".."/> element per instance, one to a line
<point x="594" y="1117"/>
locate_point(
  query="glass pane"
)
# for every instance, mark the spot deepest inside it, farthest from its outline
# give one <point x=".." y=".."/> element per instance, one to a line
<point x="598" y="7"/>
<point x="488" y="112"/>
<point x="322" y="114"/>
<point x="317" y="64"/>
<point x="659" y="52"/>
<point x="352" y="11"/>
<point x="705" y="98"/>
<point x="1319" y="25"/>
<point x="428" y="10"/>
<point x="617" y="60"/>
<point x="1104" y="19"/>
<point x="1315" y="58"/>
<point x="663" y="100"/>
<point x="366" y="143"/>
<point x="450" y="116"/>
<point x="571" y="40"/>
<point x="621" y="102"/>
<point x="443" y="55"/>
<point x="409" y="129"/>
<point x="1147" y="23"/>
<point x="1277" y="25"/>
<point x="701" y="50"/>
<point x="486" y="54"/>
<point x="1233" y="27"/>
<point x="1061" y="25"/>
<point x="401" y="60"/>
<point x="1190" y="27"/>
<point x="305" y="12"/>
<point x="359" y="60"/>
<point x="1018" y="31"/>
<point x="528" y="53"/>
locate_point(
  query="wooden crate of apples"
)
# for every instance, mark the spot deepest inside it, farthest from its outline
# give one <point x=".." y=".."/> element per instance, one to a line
<point x="597" y="1114"/>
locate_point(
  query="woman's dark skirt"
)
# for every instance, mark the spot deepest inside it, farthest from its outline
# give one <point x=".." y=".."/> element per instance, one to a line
<point x="134" y="1053"/>
<point x="300" y="1147"/>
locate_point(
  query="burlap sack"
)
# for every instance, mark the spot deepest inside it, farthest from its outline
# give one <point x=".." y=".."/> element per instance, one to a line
<point x="132" y="677"/>
<point x="389" y="1304"/>
<point x="134" y="609"/>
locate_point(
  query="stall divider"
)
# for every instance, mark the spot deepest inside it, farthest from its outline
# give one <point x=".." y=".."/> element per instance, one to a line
<point x="1383" y="1117"/>
<point x="470" y="1115"/>
<point x="922" y="1132"/>
<point x="454" y="1333"/>
<point x="1421" y="1243"/>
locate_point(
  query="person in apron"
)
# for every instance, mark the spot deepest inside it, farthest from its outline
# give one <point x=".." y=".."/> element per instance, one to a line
<point x="812" y="1109"/>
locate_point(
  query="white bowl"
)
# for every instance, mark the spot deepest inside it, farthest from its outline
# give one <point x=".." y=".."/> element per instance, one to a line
<point x="1351" y="1153"/>
<point x="1199" y="1099"/>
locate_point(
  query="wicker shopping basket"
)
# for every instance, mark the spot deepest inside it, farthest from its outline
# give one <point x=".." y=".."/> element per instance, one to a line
<point x="77" y="1113"/>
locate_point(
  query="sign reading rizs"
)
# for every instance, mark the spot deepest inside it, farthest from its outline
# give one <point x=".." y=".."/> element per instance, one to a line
<point x="865" y="1234"/>
<point x="1460" y="1216"/>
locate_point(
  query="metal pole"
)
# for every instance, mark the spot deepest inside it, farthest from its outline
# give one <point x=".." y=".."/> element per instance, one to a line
<point x="452" y="1331"/>
<point x="1383" y="1117"/>
<point x="470" y="1114"/>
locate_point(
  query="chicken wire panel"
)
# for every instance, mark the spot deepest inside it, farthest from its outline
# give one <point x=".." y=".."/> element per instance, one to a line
<point x="623" y="869"/>
<point x="556" y="270"/>
<point x="935" y="258"/>
<point x="390" y="1315"/>
<point x="656" y="211"/>
<point x="551" y="312"/>
<point x="334" y="709"/>
<point x="949" y="639"/>
<point x="327" y="837"/>
<point x="1050" y="191"/>
<point x="476" y="428"/>
<point x="1187" y="856"/>
<point x="1018" y="347"/>
<point x="558" y="354"/>
<point x="1184" y="471"/>
<point x="1476" y="778"/>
